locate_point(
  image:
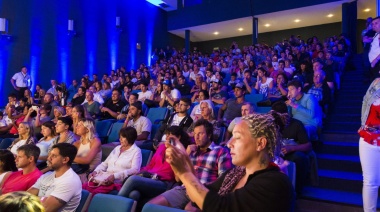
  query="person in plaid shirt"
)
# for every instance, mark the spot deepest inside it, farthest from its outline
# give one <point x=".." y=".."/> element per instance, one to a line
<point x="209" y="160"/>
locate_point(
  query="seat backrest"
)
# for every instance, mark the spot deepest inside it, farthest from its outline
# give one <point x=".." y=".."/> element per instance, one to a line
<point x="254" y="98"/>
<point x="263" y="109"/>
<point x="156" y="113"/>
<point x="155" y="127"/>
<point x="103" y="127"/>
<point x="292" y="172"/>
<point x="146" y="157"/>
<point x="84" y="201"/>
<point x="158" y="208"/>
<point x="6" y="142"/>
<point x="108" y="202"/>
<point x="221" y="135"/>
<point x="114" y="134"/>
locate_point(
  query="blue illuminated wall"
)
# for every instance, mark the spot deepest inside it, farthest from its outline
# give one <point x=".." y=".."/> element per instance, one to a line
<point x="40" y="40"/>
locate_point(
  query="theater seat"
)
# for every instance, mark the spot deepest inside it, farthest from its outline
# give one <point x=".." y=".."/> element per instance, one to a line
<point x="6" y="142"/>
<point x="114" y="133"/>
<point x="146" y="157"/>
<point x="158" y="208"/>
<point x="111" y="203"/>
<point x="84" y="201"/>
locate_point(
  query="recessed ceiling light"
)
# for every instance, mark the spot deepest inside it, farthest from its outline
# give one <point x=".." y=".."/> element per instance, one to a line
<point x="330" y="15"/>
<point x="216" y="33"/>
<point x="297" y="20"/>
<point x="267" y="25"/>
<point x="240" y="29"/>
<point x="367" y="10"/>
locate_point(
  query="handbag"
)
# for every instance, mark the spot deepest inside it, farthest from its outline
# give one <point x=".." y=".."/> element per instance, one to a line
<point x="99" y="179"/>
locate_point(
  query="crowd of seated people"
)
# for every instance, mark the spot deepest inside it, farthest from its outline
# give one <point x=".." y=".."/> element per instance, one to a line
<point x="206" y="96"/>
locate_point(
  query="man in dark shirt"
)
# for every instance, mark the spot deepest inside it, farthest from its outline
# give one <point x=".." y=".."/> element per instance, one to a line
<point x="217" y="96"/>
<point x="296" y="145"/>
<point x="111" y="109"/>
<point x="183" y="88"/>
<point x="232" y="107"/>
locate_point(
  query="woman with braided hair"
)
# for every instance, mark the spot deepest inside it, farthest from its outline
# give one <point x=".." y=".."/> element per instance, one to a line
<point x="255" y="184"/>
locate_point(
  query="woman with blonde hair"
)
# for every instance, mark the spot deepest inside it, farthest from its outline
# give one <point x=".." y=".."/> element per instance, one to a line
<point x="20" y="201"/>
<point x="89" y="153"/>
<point x="26" y="136"/>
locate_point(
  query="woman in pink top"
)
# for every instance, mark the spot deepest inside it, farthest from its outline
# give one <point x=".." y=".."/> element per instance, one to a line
<point x="157" y="176"/>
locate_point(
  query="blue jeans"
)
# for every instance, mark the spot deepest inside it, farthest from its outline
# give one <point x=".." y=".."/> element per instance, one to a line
<point x="136" y="186"/>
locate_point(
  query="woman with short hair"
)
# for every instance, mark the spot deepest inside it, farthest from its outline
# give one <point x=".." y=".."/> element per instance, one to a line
<point x="124" y="160"/>
<point x="26" y="136"/>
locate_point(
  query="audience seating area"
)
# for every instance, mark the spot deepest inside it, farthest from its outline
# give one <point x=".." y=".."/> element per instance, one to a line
<point x="218" y="61"/>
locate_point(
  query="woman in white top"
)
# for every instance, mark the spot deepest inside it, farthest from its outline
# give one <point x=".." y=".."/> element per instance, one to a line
<point x="48" y="131"/>
<point x="264" y="84"/>
<point x="7" y="165"/>
<point x="26" y="136"/>
<point x="123" y="161"/>
<point x="89" y="146"/>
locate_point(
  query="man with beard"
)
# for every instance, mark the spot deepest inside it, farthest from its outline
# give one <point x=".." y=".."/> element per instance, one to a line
<point x="60" y="190"/>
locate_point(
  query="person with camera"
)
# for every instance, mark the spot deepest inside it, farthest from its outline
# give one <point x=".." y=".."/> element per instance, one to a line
<point x="43" y="115"/>
<point x="157" y="176"/>
<point x="208" y="159"/>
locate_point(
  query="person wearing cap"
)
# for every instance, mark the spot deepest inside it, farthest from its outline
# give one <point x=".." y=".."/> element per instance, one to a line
<point x="136" y="120"/>
<point x="42" y="116"/>
<point x="217" y="95"/>
<point x="232" y="107"/>
<point x="144" y="93"/>
<point x="169" y="95"/>
<point x="111" y="109"/>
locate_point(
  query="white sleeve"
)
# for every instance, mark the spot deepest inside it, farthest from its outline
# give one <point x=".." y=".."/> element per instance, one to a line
<point x="15" y="76"/>
<point x="135" y="167"/>
<point x="176" y="94"/>
<point x="37" y="185"/>
<point x="146" y="126"/>
<point x="64" y="190"/>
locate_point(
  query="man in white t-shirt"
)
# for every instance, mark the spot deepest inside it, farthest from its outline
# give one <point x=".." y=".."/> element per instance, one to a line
<point x="145" y="93"/>
<point x="142" y="124"/>
<point x="169" y="95"/>
<point x="181" y="118"/>
<point x="60" y="190"/>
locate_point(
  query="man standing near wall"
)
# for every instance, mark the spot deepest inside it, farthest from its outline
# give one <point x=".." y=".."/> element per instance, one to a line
<point x="21" y="81"/>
